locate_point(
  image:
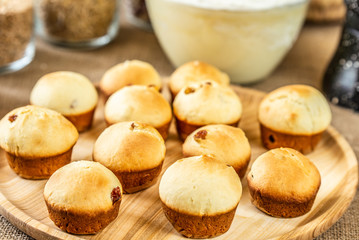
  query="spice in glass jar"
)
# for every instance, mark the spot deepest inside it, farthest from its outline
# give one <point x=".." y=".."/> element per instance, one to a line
<point x="16" y="34"/>
<point x="80" y="23"/>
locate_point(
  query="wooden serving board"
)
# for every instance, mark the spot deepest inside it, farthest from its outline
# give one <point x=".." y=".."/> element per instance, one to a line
<point x="141" y="216"/>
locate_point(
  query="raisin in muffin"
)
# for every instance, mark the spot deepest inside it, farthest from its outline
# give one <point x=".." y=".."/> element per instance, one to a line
<point x="37" y="141"/>
<point x="195" y="72"/>
<point x="293" y="116"/>
<point x="69" y="93"/>
<point x="130" y="72"/>
<point x="200" y="196"/>
<point x="139" y="103"/>
<point x="283" y="183"/>
<point x="225" y="143"/>
<point x="133" y="151"/>
<point x="83" y="197"/>
<point x="203" y="104"/>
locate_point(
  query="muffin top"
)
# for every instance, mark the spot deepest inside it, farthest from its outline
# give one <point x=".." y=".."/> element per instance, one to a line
<point x="295" y="109"/>
<point x="207" y="103"/>
<point x="200" y="185"/>
<point x="132" y="72"/>
<point x="33" y="131"/>
<point x="285" y="174"/>
<point x="225" y="143"/>
<point x="68" y="93"/>
<point x="138" y="103"/>
<point x="195" y="72"/>
<point x="83" y="186"/>
<point x="129" y="146"/>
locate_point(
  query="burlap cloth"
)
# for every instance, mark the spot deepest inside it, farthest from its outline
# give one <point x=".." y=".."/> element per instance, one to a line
<point x="304" y="64"/>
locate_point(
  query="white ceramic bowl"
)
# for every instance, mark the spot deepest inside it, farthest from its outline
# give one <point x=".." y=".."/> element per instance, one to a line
<point x="247" y="42"/>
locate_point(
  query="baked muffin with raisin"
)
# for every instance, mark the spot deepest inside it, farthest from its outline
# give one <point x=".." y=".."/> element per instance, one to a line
<point x="283" y="183"/>
<point x="293" y="116"/>
<point x="195" y="72"/>
<point x="130" y="72"/>
<point x="200" y="196"/>
<point x="69" y="93"/>
<point x="225" y="143"/>
<point x="83" y="197"/>
<point x="37" y="141"/>
<point x="203" y="104"/>
<point x="134" y="151"/>
<point x="139" y="103"/>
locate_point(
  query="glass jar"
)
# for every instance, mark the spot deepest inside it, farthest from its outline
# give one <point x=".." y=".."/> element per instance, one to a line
<point x="77" y="23"/>
<point x="137" y="15"/>
<point x="16" y="34"/>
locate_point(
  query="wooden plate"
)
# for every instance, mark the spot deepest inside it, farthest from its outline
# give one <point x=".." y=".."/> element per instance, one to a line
<point x="141" y="217"/>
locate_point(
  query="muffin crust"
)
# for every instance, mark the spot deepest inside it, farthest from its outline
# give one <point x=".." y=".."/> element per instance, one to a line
<point x="205" y="226"/>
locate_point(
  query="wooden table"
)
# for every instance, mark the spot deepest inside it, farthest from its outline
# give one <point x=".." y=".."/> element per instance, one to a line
<point x="305" y="63"/>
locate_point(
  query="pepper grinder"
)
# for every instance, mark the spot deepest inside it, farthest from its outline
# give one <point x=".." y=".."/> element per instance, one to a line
<point x="341" y="80"/>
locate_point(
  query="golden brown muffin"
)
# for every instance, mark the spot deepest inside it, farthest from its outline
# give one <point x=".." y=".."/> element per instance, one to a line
<point x="69" y="93"/>
<point x="37" y="141"/>
<point x="134" y="151"/>
<point x="200" y="196"/>
<point x="83" y="197"/>
<point x="225" y="143"/>
<point x="139" y="103"/>
<point x="203" y="104"/>
<point x="326" y="11"/>
<point x="293" y="116"/>
<point x="130" y="72"/>
<point x="195" y="72"/>
<point x="283" y="183"/>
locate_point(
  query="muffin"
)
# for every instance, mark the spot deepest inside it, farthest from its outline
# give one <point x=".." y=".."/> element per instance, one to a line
<point x="139" y="103"/>
<point x="293" y="116"/>
<point x="225" y="143"/>
<point x="200" y="196"/>
<point x="133" y="151"/>
<point x="195" y="72"/>
<point x="206" y="103"/>
<point x="130" y="72"/>
<point x="37" y="141"/>
<point x="83" y="197"/>
<point x="283" y="183"/>
<point x="69" y="93"/>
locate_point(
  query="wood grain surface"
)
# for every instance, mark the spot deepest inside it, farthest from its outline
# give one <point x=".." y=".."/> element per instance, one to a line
<point x="141" y="217"/>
